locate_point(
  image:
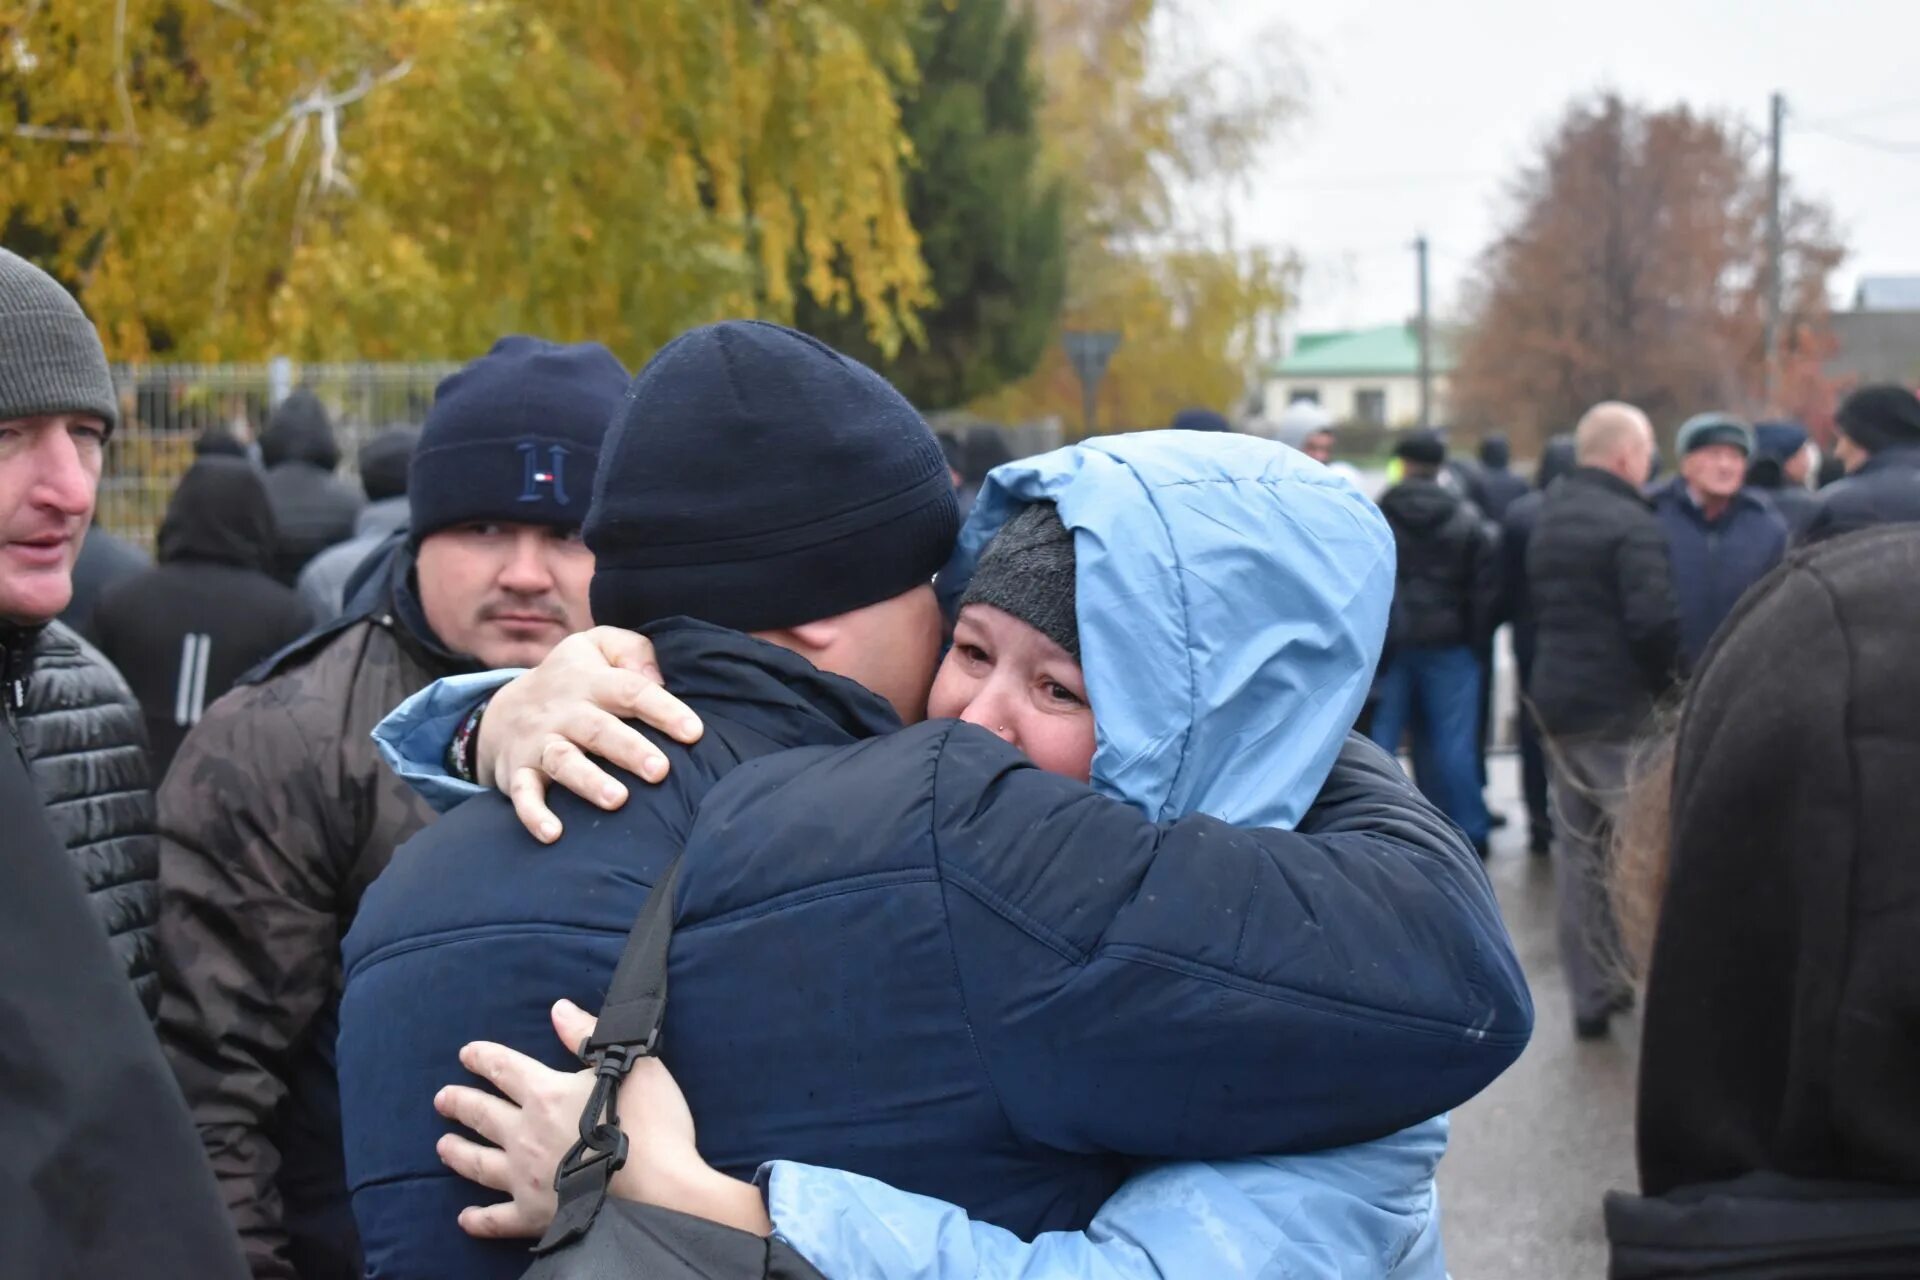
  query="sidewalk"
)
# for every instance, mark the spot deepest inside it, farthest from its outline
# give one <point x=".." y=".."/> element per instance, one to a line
<point x="1531" y="1157"/>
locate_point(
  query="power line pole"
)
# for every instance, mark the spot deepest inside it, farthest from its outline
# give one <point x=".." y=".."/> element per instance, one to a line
<point x="1426" y="353"/>
<point x="1775" y="249"/>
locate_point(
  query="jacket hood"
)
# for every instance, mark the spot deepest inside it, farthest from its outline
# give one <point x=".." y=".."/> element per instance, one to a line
<point x="300" y="431"/>
<point x="1783" y="1002"/>
<point x="1420" y="505"/>
<point x="219" y="513"/>
<point x="1232" y="598"/>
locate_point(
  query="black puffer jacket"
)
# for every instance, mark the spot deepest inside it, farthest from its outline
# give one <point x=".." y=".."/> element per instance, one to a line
<point x="312" y="509"/>
<point x="85" y="740"/>
<point x="1607" y="622"/>
<point x="100" y="1173"/>
<point x="1447" y="584"/>
<point x="1885" y="490"/>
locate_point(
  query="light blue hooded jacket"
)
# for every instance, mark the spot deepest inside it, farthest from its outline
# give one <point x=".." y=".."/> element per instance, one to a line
<point x="1232" y="597"/>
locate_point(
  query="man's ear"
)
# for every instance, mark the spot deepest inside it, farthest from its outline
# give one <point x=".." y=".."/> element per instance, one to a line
<point x="815" y="637"/>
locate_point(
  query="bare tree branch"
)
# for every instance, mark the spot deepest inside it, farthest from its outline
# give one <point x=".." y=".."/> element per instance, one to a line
<point x="120" y="91"/>
<point x="51" y="133"/>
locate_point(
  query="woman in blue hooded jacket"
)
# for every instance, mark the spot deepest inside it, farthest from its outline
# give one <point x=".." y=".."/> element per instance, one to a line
<point x="1190" y="624"/>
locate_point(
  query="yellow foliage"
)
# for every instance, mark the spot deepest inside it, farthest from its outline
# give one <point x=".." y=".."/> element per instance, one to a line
<point x="1131" y="130"/>
<point x="224" y="179"/>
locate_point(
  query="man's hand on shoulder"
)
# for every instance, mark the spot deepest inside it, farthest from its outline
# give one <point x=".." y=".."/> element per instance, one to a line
<point x="541" y="727"/>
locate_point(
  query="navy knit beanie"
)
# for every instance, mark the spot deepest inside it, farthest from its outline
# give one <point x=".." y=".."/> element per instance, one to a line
<point x="757" y="479"/>
<point x="515" y="437"/>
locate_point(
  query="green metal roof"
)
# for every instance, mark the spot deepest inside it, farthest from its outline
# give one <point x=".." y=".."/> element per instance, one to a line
<point x="1386" y="350"/>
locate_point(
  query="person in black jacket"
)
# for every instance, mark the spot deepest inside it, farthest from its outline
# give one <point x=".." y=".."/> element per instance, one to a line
<point x="1782" y="469"/>
<point x="1608" y="648"/>
<point x="101" y="1173"/>
<point x="312" y="508"/>
<point x="183" y="632"/>
<point x="1779" y="1122"/>
<point x="1880" y="444"/>
<point x="1494" y="487"/>
<point x="105" y="560"/>
<point x="1445" y="602"/>
<point x="1516" y="531"/>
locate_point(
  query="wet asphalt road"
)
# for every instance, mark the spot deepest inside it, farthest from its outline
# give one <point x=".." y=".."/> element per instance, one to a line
<point x="1521" y="1185"/>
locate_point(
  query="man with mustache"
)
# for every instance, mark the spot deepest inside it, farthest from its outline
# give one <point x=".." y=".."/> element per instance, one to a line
<point x="277" y="813"/>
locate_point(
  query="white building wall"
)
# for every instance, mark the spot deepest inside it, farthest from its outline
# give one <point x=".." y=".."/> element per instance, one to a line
<point x="1339" y="396"/>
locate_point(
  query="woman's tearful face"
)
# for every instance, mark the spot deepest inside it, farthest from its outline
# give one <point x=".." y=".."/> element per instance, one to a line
<point x="1010" y="679"/>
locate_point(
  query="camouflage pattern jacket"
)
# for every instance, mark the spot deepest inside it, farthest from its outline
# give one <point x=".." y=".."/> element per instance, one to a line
<point x="275" y="817"/>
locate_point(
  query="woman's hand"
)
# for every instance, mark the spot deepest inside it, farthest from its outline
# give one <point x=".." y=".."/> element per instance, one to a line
<point x="540" y="726"/>
<point x="538" y="1121"/>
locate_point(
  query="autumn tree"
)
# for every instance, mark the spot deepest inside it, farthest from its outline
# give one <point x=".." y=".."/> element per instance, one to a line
<point x="988" y="217"/>
<point x="1142" y="130"/>
<point x="221" y="179"/>
<point x="1635" y="267"/>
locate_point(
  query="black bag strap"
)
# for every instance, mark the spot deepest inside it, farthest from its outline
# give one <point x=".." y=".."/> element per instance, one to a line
<point x="628" y="1030"/>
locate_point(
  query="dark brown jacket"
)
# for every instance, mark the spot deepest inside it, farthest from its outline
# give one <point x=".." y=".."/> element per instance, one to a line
<point x="276" y="816"/>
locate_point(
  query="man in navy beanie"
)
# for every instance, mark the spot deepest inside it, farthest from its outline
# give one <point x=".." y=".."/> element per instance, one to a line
<point x="277" y="813"/>
<point x="770" y="513"/>
<point x="1880" y="445"/>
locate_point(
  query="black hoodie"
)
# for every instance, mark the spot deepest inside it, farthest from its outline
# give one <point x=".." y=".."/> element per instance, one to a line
<point x="1779" y="1125"/>
<point x="312" y="509"/>
<point x="182" y="633"/>
<point x="1447" y="584"/>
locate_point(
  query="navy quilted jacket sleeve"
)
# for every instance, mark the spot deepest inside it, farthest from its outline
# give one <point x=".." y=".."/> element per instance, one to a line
<point x="1196" y="990"/>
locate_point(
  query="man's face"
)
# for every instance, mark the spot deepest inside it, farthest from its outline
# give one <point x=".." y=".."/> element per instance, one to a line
<point x="1797" y="468"/>
<point x="891" y="648"/>
<point x="1715" y="471"/>
<point x="1318" y="446"/>
<point x="1851" y="455"/>
<point x="504" y="593"/>
<point x="49" y="474"/>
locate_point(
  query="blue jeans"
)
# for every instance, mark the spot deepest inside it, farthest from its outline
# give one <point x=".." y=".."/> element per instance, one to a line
<point x="1436" y="692"/>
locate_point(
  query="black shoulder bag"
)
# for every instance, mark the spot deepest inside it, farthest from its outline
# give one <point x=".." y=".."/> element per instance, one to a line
<point x="597" y="1237"/>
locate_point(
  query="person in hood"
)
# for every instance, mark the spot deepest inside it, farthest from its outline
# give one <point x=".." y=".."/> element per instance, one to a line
<point x="1516" y="531"/>
<point x="1445" y="606"/>
<point x="183" y="632"/>
<point x="100" y="1174"/>
<point x="1493" y="486"/>
<point x="1016" y="669"/>
<point x="1721" y="537"/>
<point x="277" y="812"/>
<point x="105" y="559"/>
<point x="1772" y="844"/>
<point x="1782" y="470"/>
<point x="383" y="474"/>
<point x="312" y="508"/>
<point x="824" y="843"/>
<point x="1880" y="447"/>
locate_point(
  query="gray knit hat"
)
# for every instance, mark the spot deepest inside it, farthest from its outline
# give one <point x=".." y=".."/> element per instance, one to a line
<point x="1028" y="571"/>
<point x="50" y="356"/>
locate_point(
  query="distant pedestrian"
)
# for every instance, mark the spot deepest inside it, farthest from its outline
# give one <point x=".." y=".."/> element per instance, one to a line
<point x="1784" y="458"/>
<point x="1767" y="868"/>
<point x="1446" y="591"/>
<point x="1195" y="419"/>
<point x="1516" y="533"/>
<point x="1608" y="650"/>
<point x="1721" y="537"/>
<point x="312" y="508"/>
<point x="183" y="632"/>
<point x="383" y="474"/>
<point x="1493" y="486"/>
<point x="1880" y="446"/>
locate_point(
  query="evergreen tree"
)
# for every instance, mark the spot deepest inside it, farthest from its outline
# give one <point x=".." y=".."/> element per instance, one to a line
<point x="989" y="220"/>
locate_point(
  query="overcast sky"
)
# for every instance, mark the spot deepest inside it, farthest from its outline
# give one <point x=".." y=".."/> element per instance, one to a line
<point x="1419" y="110"/>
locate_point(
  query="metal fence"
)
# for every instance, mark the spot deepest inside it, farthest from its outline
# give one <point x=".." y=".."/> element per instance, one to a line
<point x="166" y="407"/>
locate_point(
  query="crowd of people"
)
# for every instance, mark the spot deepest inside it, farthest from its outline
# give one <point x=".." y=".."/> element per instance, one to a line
<point x="1032" y="904"/>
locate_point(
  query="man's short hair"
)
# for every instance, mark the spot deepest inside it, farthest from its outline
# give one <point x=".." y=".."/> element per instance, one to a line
<point x="1605" y="429"/>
